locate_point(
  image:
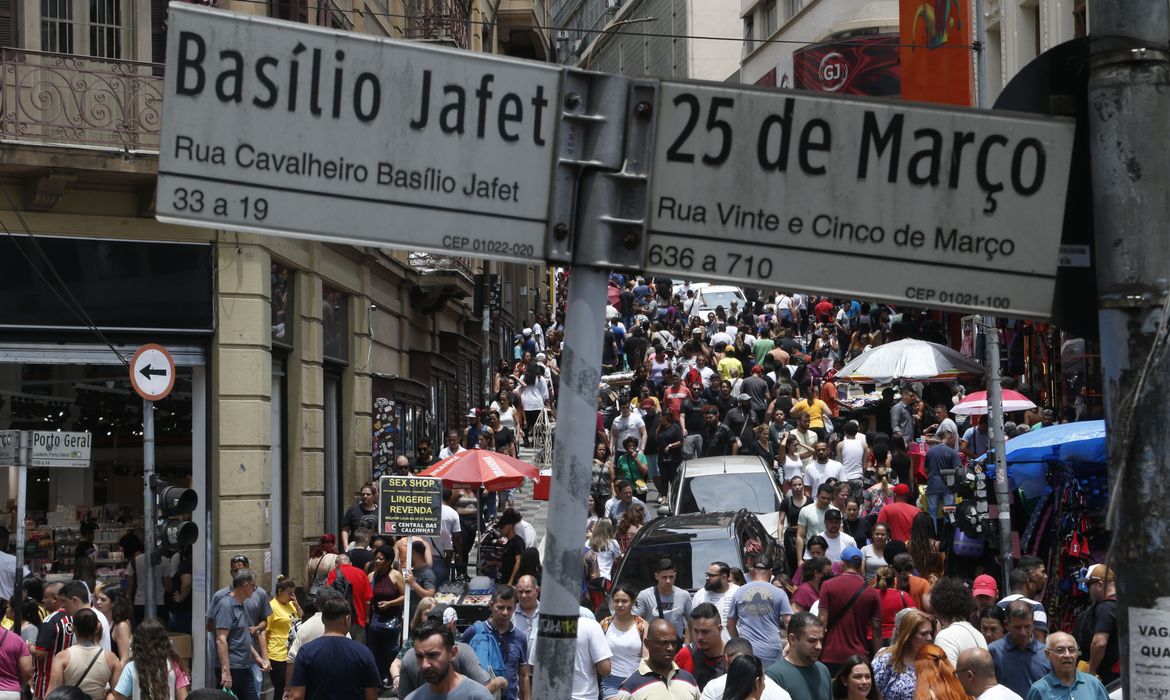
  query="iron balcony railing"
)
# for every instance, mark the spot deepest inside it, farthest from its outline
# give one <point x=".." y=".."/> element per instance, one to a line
<point x="443" y="21"/>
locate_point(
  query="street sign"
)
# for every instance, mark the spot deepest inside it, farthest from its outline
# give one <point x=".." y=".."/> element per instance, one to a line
<point x="410" y="505"/>
<point x="9" y="443"/>
<point x="60" y="449"/>
<point x="279" y="128"/>
<point x="152" y="372"/>
<point x="909" y="204"/>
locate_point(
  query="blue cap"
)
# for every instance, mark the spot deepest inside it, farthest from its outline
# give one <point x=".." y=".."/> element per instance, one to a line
<point x="852" y="554"/>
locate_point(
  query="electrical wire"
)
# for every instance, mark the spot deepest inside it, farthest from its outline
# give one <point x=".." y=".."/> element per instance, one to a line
<point x="71" y="304"/>
<point x="866" y="40"/>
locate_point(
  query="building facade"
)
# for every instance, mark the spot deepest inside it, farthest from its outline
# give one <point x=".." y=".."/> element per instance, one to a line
<point x="303" y="367"/>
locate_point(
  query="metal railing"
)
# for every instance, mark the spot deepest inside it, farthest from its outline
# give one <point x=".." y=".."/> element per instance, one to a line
<point x="65" y="99"/>
<point x="432" y="264"/>
<point x="437" y="20"/>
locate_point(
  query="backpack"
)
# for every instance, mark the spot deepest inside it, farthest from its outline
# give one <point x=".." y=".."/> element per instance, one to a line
<point x="342" y="585"/>
<point x="487" y="649"/>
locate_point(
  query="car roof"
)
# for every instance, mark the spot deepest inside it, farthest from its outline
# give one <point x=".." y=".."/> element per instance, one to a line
<point x="694" y="526"/>
<point x="731" y="464"/>
<point x="721" y="288"/>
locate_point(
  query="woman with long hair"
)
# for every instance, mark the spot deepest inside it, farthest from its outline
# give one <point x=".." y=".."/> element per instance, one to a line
<point x="993" y="623"/>
<point x="154" y="672"/>
<point x="761" y="446"/>
<point x="286" y="612"/>
<point x="384" y="632"/>
<point x="509" y="415"/>
<point x="924" y="548"/>
<point x="893" y="667"/>
<point x="900" y="459"/>
<point x="936" y="676"/>
<point x="624" y="632"/>
<point x="745" y="679"/>
<point x="793" y="467"/>
<point x="322" y="560"/>
<point x="855" y="680"/>
<point x="113" y="603"/>
<point x="629" y="525"/>
<point x="893" y="600"/>
<point x="16" y="663"/>
<point x="669" y="440"/>
<point x="875" y="551"/>
<point x="790" y="510"/>
<point x="881" y="493"/>
<point x="601" y="478"/>
<point x="817" y="546"/>
<point x="601" y="557"/>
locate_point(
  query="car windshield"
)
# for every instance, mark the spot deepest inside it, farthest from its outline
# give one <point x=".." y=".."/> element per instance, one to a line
<point x="724" y="299"/>
<point x="718" y="492"/>
<point x="691" y="559"/>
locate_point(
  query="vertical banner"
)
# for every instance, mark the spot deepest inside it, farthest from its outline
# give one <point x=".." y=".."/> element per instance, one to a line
<point x="936" y="54"/>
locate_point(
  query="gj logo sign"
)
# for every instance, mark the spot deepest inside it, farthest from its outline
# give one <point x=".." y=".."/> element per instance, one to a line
<point x="834" y="71"/>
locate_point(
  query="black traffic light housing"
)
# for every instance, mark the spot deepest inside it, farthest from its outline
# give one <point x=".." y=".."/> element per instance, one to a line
<point x="172" y="502"/>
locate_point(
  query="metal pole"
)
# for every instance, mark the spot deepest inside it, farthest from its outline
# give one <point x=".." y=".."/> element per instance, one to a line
<point x="487" y="352"/>
<point x="22" y="460"/>
<point x="1129" y="98"/>
<point x="576" y="409"/>
<point x="980" y="55"/>
<point x="1003" y="497"/>
<point x="406" y="566"/>
<point x="148" y="505"/>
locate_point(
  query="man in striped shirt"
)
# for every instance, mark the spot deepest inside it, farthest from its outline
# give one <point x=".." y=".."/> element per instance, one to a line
<point x="55" y="635"/>
<point x="658" y="677"/>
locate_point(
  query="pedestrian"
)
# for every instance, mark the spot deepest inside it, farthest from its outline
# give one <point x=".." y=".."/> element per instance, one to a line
<point x="85" y="664"/>
<point x="658" y="676"/>
<point x="935" y="676"/>
<point x="703" y="658"/>
<point x="1064" y="680"/>
<point x="435" y="652"/>
<point x="993" y="624"/>
<point x="360" y="594"/>
<point x="1096" y="628"/>
<point x="893" y="667"/>
<point x="233" y="639"/>
<point x="334" y="666"/>
<point x="631" y="466"/>
<point x="811" y="521"/>
<point x="669" y="441"/>
<point x="855" y="680"/>
<point x="629" y="524"/>
<point x="745" y="679"/>
<point x="718" y="590"/>
<point x="75" y="596"/>
<point x="406" y="674"/>
<point x="731" y="651"/>
<point x="813" y="573"/>
<point x="286" y="613"/>
<point x="16" y="663"/>
<point x="976" y="671"/>
<point x="790" y="507"/>
<point x="850" y="610"/>
<point x="154" y="670"/>
<point x="759" y="611"/>
<point x="1028" y="580"/>
<point x="624" y="632"/>
<point x="1020" y="658"/>
<point x="364" y="513"/>
<point x="893" y="600"/>
<point x="799" y="670"/>
<point x="622" y="501"/>
<point x="513" y="546"/>
<point x="664" y="600"/>
<point x="54" y="636"/>
<point x="875" y="551"/>
<point x="837" y="540"/>
<point x="591" y="658"/>
<point x="953" y="603"/>
<point x="322" y="560"/>
<point x="511" y="644"/>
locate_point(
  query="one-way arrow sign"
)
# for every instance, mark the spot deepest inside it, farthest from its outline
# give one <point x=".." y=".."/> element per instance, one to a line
<point x="152" y="372"/>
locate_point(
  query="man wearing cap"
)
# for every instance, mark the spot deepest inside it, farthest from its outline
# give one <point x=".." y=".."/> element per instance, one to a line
<point x="986" y="592"/>
<point x="839" y="541"/>
<point x="1064" y="681"/>
<point x="528" y="344"/>
<point x="849" y="608"/>
<point x="758" y="613"/>
<point x="1096" y="628"/>
<point x="900" y="514"/>
<point x="465" y="662"/>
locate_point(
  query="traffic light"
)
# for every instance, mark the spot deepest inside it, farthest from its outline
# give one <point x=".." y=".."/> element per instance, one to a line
<point x="173" y="502"/>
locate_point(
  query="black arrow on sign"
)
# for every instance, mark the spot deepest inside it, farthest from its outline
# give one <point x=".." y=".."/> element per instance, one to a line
<point x="147" y="371"/>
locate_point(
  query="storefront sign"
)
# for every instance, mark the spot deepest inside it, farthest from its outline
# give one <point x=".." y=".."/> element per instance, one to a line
<point x="345" y="137"/>
<point x="9" y="442"/>
<point x="410" y="505"/>
<point x="60" y="449"/>
<point x="955" y="208"/>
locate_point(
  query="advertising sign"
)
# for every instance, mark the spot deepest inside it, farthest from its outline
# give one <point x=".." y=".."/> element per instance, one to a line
<point x="863" y="65"/>
<point x="937" y="61"/>
<point x="410" y="505"/>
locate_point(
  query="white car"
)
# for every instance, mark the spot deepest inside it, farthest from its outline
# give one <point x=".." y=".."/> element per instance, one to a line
<point x="711" y="484"/>
<point x="715" y="295"/>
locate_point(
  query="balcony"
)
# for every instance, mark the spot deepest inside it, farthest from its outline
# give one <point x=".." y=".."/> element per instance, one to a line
<point x="441" y="278"/>
<point x="66" y="100"/>
<point x="438" y="21"/>
<point x="524" y="28"/>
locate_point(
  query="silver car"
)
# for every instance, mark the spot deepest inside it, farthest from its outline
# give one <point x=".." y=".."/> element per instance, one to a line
<point x="713" y="484"/>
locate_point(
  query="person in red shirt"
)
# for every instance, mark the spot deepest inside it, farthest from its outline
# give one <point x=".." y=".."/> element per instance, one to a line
<point x="900" y="514"/>
<point x="850" y="609"/>
<point x="703" y="658"/>
<point x="363" y="593"/>
<point x="829" y="389"/>
<point x="675" y="395"/>
<point x="824" y="310"/>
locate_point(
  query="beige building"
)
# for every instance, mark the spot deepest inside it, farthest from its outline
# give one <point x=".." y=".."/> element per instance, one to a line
<point x="302" y="366"/>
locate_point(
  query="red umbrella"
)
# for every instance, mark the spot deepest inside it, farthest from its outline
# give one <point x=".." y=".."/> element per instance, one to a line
<point x="975" y="403"/>
<point x="484" y="469"/>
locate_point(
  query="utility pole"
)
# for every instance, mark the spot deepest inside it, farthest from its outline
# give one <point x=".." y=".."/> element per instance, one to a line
<point x="1129" y="98"/>
<point x="1003" y="495"/>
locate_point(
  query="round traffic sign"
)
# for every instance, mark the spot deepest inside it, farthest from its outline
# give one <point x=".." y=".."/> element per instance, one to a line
<point x="152" y="372"/>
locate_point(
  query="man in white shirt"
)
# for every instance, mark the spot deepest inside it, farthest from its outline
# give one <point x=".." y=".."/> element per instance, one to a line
<point x="451" y="445"/>
<point x="853" y="451"/>
<point x="445" y="546"/>
<point x="821" y="468"/>
<point x="837" y="539"/>
<point x="7" y="568"/>
<point x="591" y="659"/>
<point x="739" y="647"/>
<point x="976" y="671"/>
<point x="628" y="424"/>
<point x="718" y="590"/>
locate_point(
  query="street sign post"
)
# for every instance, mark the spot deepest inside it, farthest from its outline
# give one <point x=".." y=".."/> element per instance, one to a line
<point x="322" y="133"/>
<point x="152" y="372"/>
<point x="909" y="204"/>
<point x="52" y="448"/>
<point x="9" y="443"/>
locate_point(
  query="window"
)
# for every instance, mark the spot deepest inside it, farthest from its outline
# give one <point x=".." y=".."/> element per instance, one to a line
<point x="96" y="28"/>
<point x="292" y="10"/>
<point x="770" y="25"/>
<point x="749" y="34"/>
<point x="335" y="308"/>
<point x="283" y="311"/>
<point x="791" y="7"/>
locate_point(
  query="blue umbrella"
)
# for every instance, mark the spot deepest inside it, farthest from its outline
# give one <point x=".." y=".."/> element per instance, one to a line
<point x="1079" y="445"/>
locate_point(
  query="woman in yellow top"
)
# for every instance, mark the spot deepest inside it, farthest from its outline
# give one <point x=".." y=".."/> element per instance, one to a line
<point x="285" y="613"/>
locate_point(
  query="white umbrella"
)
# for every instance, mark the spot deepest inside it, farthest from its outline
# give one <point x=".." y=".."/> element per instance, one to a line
<point x="909" y="359"/>
<point x="975" y="403"/>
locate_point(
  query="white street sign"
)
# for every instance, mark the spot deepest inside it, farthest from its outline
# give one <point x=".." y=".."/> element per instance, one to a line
<point x="909" y="204"/>
<point x="9" y="443"/>
<point x="60" y="449"/>
<point x="278" y="128"/>
<point x="152" y="372"/>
